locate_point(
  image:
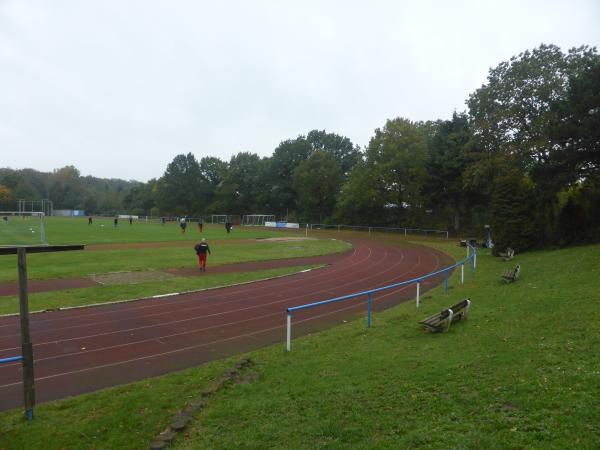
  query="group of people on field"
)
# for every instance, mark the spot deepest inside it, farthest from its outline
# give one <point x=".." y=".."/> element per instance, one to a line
<point x="202" y="248"/>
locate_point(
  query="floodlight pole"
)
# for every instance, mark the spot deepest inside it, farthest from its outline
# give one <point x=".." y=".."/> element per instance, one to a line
<point x="26" y="346"/>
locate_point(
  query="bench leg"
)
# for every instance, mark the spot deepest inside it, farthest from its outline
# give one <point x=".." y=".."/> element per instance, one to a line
<point x="450" y="315"/>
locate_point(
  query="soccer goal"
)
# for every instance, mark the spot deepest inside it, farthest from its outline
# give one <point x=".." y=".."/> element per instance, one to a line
<point x="46" y="206"/>
<point x="257" y="220"/>
<point x="22" y="228"/>
<point x="218" y="218"/>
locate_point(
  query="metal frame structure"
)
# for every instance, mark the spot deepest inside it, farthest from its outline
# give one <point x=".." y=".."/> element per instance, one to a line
<point x="46" y="206"/>
<point x="471" y="257"/>
<point x="26" y="356"/>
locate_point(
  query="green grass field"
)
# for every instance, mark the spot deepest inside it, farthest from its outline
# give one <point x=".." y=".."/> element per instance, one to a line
<point x="143" y="247"/>
<point x="521" y="372"/>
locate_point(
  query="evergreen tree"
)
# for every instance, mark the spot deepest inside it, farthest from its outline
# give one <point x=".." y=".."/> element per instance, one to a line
<point x="511" y="212"/>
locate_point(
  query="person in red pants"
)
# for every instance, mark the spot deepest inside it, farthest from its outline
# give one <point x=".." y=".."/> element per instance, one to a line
<point x="202" y="249"/>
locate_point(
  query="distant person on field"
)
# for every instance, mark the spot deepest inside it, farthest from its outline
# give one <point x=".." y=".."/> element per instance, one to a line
<point x="182" y="225"/>
<point x="130" y="220"/>
<point x="116" y="221"/>
<point x="90" y="220"/>
<point x="228" y="227"/>
<point x="200" y="226"/>
<point x="5" y="218"/>
<point x="202" y="249"/>
<point x="162" y="220"/>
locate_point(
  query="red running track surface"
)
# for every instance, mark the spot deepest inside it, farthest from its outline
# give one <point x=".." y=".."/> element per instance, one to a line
<point x="86" y="349"/>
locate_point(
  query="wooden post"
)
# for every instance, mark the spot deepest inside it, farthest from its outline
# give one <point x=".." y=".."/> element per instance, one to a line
<point x="27" y="347"/>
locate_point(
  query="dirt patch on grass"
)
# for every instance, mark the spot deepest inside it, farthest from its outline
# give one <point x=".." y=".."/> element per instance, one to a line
<point x="131" y="277"/>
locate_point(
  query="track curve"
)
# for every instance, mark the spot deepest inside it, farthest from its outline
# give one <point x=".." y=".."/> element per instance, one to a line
<point x="82" y="350"/>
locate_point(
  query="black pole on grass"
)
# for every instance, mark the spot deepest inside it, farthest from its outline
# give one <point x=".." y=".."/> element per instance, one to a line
<point x="26" y="345"/>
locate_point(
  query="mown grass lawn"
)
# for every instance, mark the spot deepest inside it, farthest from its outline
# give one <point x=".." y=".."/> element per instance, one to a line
<point x="521" y="372"/>
<point x="85" y="263"/>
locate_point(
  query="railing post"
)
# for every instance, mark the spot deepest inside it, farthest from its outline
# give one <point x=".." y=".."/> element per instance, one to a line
<point x="446" y="282"/>
<point x="418" y="289"/>
<point x="405" y="232"/>
<point x="289" y="331"/>
<point x="462" y="273"/>
<point x="26" y="346"/>
<point x="474" y="260"/>
<point x="369" y="300"/>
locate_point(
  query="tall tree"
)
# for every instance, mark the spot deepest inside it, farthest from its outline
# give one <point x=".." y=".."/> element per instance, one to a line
<point x="237" y="192"/>
<point x="445" y="166"/>
<point x="362" y="198"/>
<point x="340" y="147"/>
<point x="180" y="188"/>
<point x="286" y="157"/>
<point x="398" y="153"/>
<point x="512" y="115"/>
<point x="317" y="181"/>
<point x="575" y="131"/>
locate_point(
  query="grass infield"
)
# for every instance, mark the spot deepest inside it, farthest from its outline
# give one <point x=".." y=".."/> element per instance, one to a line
<point x="151" y="246"/>
<point x="521" y="372"/>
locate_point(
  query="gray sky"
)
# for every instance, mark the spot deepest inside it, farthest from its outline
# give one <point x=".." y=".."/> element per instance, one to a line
<point x="118" y="88"/>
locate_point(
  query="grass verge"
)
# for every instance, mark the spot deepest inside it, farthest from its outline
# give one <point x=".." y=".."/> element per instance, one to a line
<point x="521" y="372"/>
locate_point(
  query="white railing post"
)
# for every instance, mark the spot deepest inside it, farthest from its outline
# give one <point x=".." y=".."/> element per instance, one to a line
<point x="462" y="273"/>
<point x="289" y="331"/>
<point x="418" y="289"/>
<point x="474" y="260"/>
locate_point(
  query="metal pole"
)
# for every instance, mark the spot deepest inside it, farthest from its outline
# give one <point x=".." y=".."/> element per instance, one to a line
<point x="446" y="282"/>
<point x="462" y="273"/>
<point x="369" y="300"/>
<point x="27" y="347"/>
<point x="418" y="289"/>
<point x="289" y="331"/>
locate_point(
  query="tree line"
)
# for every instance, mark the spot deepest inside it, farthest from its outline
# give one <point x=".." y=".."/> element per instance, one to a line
<point x="524" y="157"/>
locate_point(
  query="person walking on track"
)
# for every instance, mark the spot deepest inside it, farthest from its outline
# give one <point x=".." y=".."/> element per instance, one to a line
<point x="202" y="249"/>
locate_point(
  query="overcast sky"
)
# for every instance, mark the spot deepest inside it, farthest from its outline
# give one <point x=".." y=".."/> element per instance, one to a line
<point x="119" y="88"/>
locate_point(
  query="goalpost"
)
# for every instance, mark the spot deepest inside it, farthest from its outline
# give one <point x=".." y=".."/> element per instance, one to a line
<point x="22" y="228"/>
<point x="46" y="206"/>
<point x="218" y="218"/>
<point x="257" y="220"/>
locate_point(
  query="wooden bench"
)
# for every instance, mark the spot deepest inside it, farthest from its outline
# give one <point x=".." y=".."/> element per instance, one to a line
<point x="511" y="275"/>
<point x="442" y="320"/>
<point x="510" y="254"/>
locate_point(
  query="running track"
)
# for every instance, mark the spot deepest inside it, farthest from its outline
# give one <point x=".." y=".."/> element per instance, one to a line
<point x="86" y="349"/>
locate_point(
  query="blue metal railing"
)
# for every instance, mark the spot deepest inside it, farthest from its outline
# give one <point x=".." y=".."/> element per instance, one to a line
<point x="11" y="359"/>
<point x="471" y="257"/>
